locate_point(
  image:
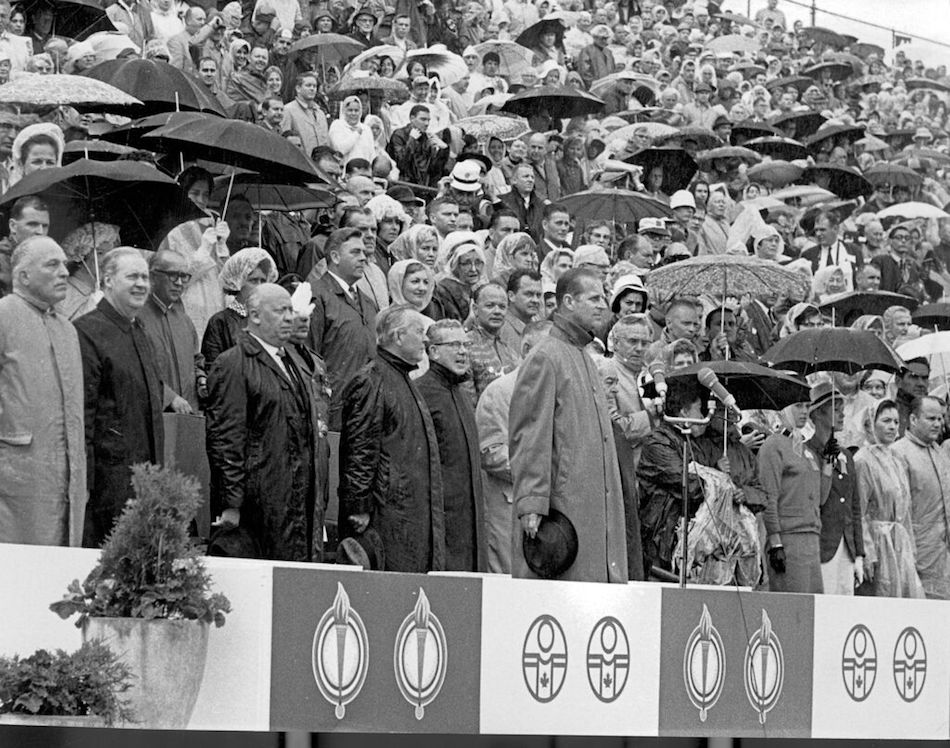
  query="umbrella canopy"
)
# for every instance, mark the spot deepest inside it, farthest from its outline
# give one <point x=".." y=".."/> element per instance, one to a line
<point x="30" y="90"/>
<point x="800" y="83"/>
<point x="678" y="166"/>
<point x="657" y="130"/>
<point x="804" y="194"/>
<point x="76" y="19"/>
<point x="703" y="138"/>
<point x="744" y="155"/>
<point x="866" y="49"/>
<point x="832" y="349"/>
<point x="912" y="210"/>
<point x="437" y="59"/>
<point x="619" y="206"/>
<point x="144" y="203"/>
<point x="748" y="69"/>
<point x="777" y="147"/>
<point x="776" y="173"/>
<point x="856" y="63"/>
<point x="843" y="181"/>
<point x="755" y="387"/>
<point x="234" y="143"/>
<point x="871" y="82"/>
<point x="912" y="84"/>
<point x="933" y="316"/>
<point x="837" y="71"/>
<point x="99" y="150"/>
<point x="804" y="123"/>
<point x="925" y="346"/>
<point x="829" y="38"/>
<point x="647" y="114"/>
<point x="361" y="80"/>
<point x="747" y="130"/>
<point x="850" y="133"/>
<point x="736" y="18"/>
<point x="394" y="53"/>
<point x="265" y="194"/>
<point x="851" y="305"/>
<point x="889" y="175"/>
<point x="330" y="48"/>
<point x="133" y="133"/>
<point x="109" y="44"/>
<point x="929" y="153"/>
<point x="513" y="58"/>
<point x="732" y="43"/>
<point x="602" y="85"/>
<point x="728" y="275"/>
<point x="558" y="101"/>
<point x="872" y="144"/>
<point x="840" y="208"/>
<point x="530" y="38"/>
<point x="485" y="126"/>
<point x="161" y="87"/>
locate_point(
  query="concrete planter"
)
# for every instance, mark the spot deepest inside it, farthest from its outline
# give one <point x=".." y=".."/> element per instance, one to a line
<point x="36" y="720"/>
<point x="167" y="662"/>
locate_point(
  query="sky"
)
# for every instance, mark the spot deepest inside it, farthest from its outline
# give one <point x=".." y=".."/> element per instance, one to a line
<point x="930" y="18"/>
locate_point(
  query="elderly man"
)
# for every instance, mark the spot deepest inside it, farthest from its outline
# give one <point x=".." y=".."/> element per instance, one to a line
<point x="596" y="60"/>
<point x="390" y="475"/>
<point x="629" y="339"/>
<point x="490" y="355"/>
<point x="172" y="333"/>
<point x="564" y="458"/>
<point x="304" y="116"/>
<point x="547" y="183"/>
<point x="42" y="460"/>
<point x="123" y="390"/>
<point x="454" y="421"/>
<point x="266" y="422"/>
<point x="682" y="323"/>
<point x="928" y="470"/>
<point x="185" y="48"/>
<point x="714" y="235"/>
<point x="343" y="319"/>
<point x="524" y="201"/>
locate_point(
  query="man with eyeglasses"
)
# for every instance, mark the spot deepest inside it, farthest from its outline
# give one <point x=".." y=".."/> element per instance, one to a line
<point x="172" y="334"/>
<point x="899" y="271"/>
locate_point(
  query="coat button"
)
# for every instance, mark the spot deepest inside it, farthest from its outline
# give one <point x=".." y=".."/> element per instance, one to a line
<point x="842" y="499"/>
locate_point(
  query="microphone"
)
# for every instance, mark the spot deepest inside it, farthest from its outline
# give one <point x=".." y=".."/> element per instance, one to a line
<point x="657" y="370"/>
<point x="708" y="379"/>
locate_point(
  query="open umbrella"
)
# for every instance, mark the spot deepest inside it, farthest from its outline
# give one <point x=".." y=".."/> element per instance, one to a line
<point x="912" y="210"/>
<point x="110" y="44"/>
<point x="755" y="387"/>
<point x="394" y="53"/>
<point x="912" y="84"/>
<point x="703" y="138"/>
<point x="744" y="155"/>
<point x="832" y="349"/>
<point x="777" y="173"/>
<point x="266" y="194"/>
<point x="933" y="316"/>
<point x="559" y="102"/>
<point x="748" y="69"/>
<point x="849" y="306"/>
<point x="871" y="83"/>
<point x="619" y="206"/>
<point x="804" y="123"/>
<point x="485" y="126"/>
<point x="362" y="80"/>
<point x="647" y="114"/>
<point x="732" y="43"/>
<point x="132" y="134"/>
<point x="98" y="150"/>
<point x="804" y="194"/>
<point x="866" y="49"/>
<point x="514" y="59"/>
<point x="827" y="37"/>
<point x="871" y="144"/>
<point x="800" y="83"/>
<point x="330" y="48"/>
<point x="530" y="38"/>
<point x="842" y="209"/>
<point x="928" y="153"/>
<point x="33" y="91"/>
<point x="437" y="59"/>
<point x="76" y="19"/>
<point x="777" y="147"/>
<point x="932" y="344"/>
<point x="845" y="181"/>
<point x="747" y="130"/>
<point x="161" y="87"/>
<point x="678" y="166"/>
<point x="890" y="175"/>
<point x="837" y="71"/>
<point x="602" y="85"/>
<point x="849" y="133"/>
<point x="736" y="18"/>
<point x="856" y="63"/>
<point x="234" y="143"/>
<point x="657" y="130"/>
<point x="726" y="275"/>
<point x="144" y="203"/>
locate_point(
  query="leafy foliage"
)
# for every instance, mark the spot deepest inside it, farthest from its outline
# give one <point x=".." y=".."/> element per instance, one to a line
<point x="87" y="682"/>
<point x="149" y="566"/>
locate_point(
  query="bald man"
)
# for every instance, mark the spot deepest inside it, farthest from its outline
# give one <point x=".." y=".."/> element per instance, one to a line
<point x="42" y="453"/>
<point x="267" y="415"/>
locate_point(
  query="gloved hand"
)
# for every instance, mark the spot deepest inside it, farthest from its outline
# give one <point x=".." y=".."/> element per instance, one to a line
<point x="831" y="451"/>
<point x="777" y="559"/>
<point x="222" y="231"/>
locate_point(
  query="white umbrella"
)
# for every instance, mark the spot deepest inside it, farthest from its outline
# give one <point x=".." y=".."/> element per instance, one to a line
<point x="733" y="43"/>
<point x="603" y="85"/>
<point x="381" y="50"/>
<point x="912" y="210"/>
<point x="438" y="59"/>
<point x="934" y="346"/>
<point x="808" y="194"/>
<point x="514" y="59"/>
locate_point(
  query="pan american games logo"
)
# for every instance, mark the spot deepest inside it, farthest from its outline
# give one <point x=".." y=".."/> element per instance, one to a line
<point x="704" y="665"/>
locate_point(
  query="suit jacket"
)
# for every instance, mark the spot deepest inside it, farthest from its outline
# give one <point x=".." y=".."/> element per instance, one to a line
<point x="853" y="259"/>
<point x="841" y="512"/>
<point x="529" y="215"/>
<point x="183" y="52"/>
<point x="343" y="333"/>
<point x="417" y="161"/>
<point x="761" y="327"/>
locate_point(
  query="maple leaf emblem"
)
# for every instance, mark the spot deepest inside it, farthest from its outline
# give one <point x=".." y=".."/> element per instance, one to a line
<point x="608" y="680"/>
<point x="545" y="680"/>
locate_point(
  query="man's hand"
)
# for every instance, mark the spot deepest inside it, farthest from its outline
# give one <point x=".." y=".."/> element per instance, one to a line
<point x="720" y="343"/>
<point x="722" y="464"/>
<point x="530" y="524"/>
<point x="831" y="451"/>
<point x="182" y="406"/>
<point x="230" y="518"/>
<point x="753" y="440"/>
<point x="859" y="571"/>
<point x="777" y="559"/>
<point x="415" y="133"/>
<point x="359" y="522"/>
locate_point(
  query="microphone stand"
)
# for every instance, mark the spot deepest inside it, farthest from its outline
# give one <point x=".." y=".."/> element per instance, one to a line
<point x="684" y="425"/>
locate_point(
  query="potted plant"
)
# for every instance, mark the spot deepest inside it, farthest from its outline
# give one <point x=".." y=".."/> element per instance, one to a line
<point x="82" y="689"/>
<point x="150" y="598"/>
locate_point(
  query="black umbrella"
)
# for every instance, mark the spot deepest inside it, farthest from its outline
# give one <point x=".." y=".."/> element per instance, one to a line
<point x="912" y="84"/>
<point x="558" y="102"/>
<point x="235" y="143"/>
<point x="747" y="130"/>
<point x="678" y="166"/>
<point x="703" y="138"/>
<point x="832" y="349"/>
<point x="805" y="123"/>
<point x="162" y="87"/>
<point x="776" y="147"/>
<point x="866" y="49"/>
<point x="844" y="181"/>
<point x="890" y="175"/>
<point x="837" y="71"/>
<point x="76" y="19"/>
<point x="266" y="194"/>
<point x="829" y="38"/>
<point x="841" y="208"/>
<point x="531" y="36"/>
<point x="647" y="114"/>
<point x="849" y="133"/>
<point x="98" y="150"/>
<point x="850" y="306"/>
<point x="133" y="133"/>
<point x="933" y="316"/>
<point x="619" y="206"/>
<point x="754" y="387"/>
<point x="800" y="83"/>
<point x="144" y="203"/>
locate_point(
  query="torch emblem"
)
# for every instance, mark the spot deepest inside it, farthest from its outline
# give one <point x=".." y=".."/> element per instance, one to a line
<point x="704" y="665"/>
<point x="421" y="656"/>
<point x="764" y="669"/>
<point x="340" y="655"/>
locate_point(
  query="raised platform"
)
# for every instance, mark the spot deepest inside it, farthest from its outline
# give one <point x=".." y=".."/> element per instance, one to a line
<point x="326" y="649"/>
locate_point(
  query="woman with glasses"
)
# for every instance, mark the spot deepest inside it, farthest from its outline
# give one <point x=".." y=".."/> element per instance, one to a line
<point x="465" y="266"/>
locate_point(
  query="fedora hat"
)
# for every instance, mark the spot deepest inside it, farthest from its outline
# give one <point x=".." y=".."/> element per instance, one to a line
<point x="233" y="542"/>
<point x="365" y="549"/>
<point x="553" y="550"/>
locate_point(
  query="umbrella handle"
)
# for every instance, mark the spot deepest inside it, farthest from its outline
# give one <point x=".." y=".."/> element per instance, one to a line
<point x="227" y="198"/>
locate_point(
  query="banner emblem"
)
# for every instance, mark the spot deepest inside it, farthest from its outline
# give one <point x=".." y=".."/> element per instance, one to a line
<point x="764" y="669"/>
<point x="859" y="662"/>
<point x="608" y="659"/>
<point x="544" y="658"/>
<point x="704" y="665"/>
<point x="340" y="653"/>
<point x="910" y="664"/>
<point x="420" y="658"/>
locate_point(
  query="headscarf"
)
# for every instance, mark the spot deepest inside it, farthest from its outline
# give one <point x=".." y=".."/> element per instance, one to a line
<point x="406" y="245"/>
<point x="549" y="66"/>
<point x="790" y="323"/>
<point x="865" y="321"/>
<point x="27" y="133"/>
<point x="343" y="104"/>
<point x="550" y="260"/>
<point x="383" y="138"/>
<point x="384" y="207"/>
<point x="455" y="246"/>
<point x="81" y="241"/>
<point x="241" y="264"/>
<point x="819" y="284"/>
<point x="890" y="334"/>
<point x="235" y="45"/>
<point x="505" y="252"/>
<point x="397" y="276"/>
<point x="870" y="416"/>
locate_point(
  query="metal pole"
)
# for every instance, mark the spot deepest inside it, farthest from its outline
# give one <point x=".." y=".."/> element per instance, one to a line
<point x="813" y="9"/>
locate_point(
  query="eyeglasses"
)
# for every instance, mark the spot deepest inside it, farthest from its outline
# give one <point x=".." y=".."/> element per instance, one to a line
<point x="173" y="276"/>
<point x="459" y="345"/>
<point x="901" y="237"/>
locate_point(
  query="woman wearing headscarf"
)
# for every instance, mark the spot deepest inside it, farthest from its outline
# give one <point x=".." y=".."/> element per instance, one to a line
<point x="419" y="242"/>
<point x="465" y="265"/>
<point x="242" y="273"/>
<point x="569" y="168"/>
<point x="884" y="491"/>
<point x="350" y="136"/>
<point x="391" y="221"/>
<point x="234" y="61"/>
<point x="84" y="247"/>
<point x="870" y="323"/>
<point x="828" y="283"/>
<point x="898" y="327"/>
<point x="516" y="251"/>
<point x="411" y="282"/>
<point x="555" y="263"/>
<point x="36" y="147"/>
